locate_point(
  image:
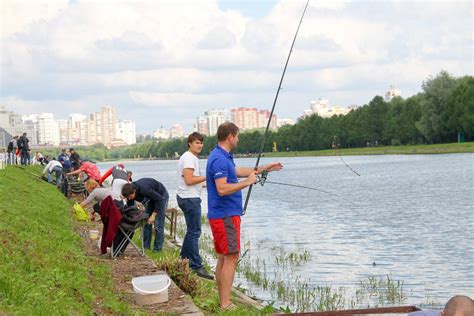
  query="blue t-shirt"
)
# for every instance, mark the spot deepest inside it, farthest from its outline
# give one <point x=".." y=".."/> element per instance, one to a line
<point x="220" y="164"/>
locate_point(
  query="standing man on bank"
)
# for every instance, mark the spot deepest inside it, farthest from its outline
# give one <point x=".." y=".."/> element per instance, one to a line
<point x="11" y="150"/>
<point x="24" y="147"/>
<point x="189" y="201"/>
<point x="65" y="161"/>
<point x="75" y="159"/>
<point x="225" y="205"/>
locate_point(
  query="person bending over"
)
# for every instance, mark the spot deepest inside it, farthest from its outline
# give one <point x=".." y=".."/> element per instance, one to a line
<point x="154" y="196"/>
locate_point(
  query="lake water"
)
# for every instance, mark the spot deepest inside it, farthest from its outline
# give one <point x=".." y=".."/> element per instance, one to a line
<point x="411" y="215"/>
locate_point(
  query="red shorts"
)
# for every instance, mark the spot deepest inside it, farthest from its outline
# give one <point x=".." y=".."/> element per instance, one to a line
<point x="226" y="233"/>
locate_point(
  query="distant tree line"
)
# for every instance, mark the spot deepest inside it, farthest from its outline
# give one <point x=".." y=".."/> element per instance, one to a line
<point x="444" y="109"/>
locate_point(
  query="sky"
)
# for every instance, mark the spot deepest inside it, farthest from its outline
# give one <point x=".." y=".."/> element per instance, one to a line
<point x="163" y="62"/>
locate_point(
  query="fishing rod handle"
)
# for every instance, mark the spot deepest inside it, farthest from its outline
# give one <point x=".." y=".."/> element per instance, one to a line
<point x="247" y="198"/>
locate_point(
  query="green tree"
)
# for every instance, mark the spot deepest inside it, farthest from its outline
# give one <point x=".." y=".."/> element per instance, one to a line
<point x="459" y="114"/>
<point x="437" y="92"/>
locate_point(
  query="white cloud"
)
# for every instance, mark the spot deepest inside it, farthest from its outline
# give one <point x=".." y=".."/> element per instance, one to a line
<point x="168" y="55"/>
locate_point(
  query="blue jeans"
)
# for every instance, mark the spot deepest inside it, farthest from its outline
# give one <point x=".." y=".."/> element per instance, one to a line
<point x="24" y="158"/>
<point x="58" y="171"/>
<point x="191" y="208"/>
<point x="160" y="207"/>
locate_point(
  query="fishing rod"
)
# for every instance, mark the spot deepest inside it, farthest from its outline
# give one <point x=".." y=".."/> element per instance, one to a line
<point x="273" y="108"/>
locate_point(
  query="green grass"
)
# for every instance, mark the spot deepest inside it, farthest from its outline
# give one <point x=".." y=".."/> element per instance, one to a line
<point x="385" y="150"/>
<point x="43" y="268"/>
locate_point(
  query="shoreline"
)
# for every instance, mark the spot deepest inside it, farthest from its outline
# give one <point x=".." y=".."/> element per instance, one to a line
<point x="435" y="149"/>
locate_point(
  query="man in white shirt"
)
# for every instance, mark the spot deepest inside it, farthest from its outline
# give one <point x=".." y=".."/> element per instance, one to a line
<point x="56" y="167"/>
<point x="189" y="200"/>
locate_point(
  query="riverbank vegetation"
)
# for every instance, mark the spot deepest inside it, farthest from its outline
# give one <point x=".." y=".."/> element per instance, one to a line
<point x="44" y="270"/>
<point x="443" y="112"/>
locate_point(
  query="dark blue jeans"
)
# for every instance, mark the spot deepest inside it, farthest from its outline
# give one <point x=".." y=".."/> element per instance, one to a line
<point x="191" y="208"/>
<point x="58" y="171"/>
<point x="159" y="207"/>
<point x="24" y="158"/>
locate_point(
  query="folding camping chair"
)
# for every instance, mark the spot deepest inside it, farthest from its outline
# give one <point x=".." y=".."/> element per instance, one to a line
<point x="74" y="186"/>
<point x="133" y="219"/>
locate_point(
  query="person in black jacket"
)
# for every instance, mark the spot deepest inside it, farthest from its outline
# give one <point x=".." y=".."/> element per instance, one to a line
<point x="24" y="147"/>
<point x="154" y="196"/>
<point x="75" y="159"/>
<point x="11" y="151"/>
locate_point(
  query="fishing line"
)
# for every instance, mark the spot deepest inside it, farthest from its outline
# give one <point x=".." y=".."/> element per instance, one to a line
<point x="305" y="187"/>
<point x="273" y="108"/>
<point x="336" y="144"/>
<point x="262" y="179"/>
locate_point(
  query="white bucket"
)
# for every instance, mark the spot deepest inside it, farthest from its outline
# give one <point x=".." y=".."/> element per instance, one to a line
<point x="151" y="289"/>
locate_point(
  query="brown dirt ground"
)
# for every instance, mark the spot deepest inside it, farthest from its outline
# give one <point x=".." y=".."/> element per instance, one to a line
<point x="130" y="265"/>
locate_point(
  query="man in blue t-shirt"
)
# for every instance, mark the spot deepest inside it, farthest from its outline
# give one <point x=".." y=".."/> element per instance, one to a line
<point x="224" y="199"/>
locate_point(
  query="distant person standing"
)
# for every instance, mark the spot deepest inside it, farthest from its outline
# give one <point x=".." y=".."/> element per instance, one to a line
<point x="189" y="201"/>
<point x="3" y="158"/>
<point x="24" y="147"/>
<point x="11" y="150"/>
<point x="75" y="159"/>
<point x="64" y="159"/>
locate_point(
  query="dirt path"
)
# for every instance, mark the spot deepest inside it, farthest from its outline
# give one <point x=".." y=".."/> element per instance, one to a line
<point x="132" y="265"/>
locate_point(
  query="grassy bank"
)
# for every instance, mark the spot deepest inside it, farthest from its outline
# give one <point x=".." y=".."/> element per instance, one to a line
<point x="43" y="266"/>
<point x="385" y="150"/>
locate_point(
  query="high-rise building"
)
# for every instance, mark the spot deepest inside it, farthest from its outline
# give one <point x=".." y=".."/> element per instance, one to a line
<point x="83" y="127"/>
<point x="109" y="124"/>
<point x="201" y="126"/>
<point x="5" y="132"/>
<point x="392" y="93"/>
<point x="176" y="131"/>
<point x="92" y="128"/>
<point x="263" y="116"/>
<point x="48" y="129"/>
<point x="78" y="129"/>
<point x="75" y="118"/>
<point x="126" y="131"/>
<point x="63" y="131"/>
<point x="30" y="128"/>
<point x="320" y="106"/>
<point x="284" y="121"/>
<point x="245" y="118"/>
<point x="76" y="134"/>
<point x="216" y="117"/>
<point x="250" y="118"/>
<point x="161" y="133"/>
<point x="5" y="118"/>
<point x="12" y="124"/>
<point x="101" y="127"/>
